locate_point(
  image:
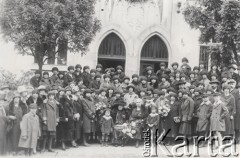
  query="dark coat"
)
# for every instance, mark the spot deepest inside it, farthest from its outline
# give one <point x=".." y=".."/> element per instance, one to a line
<point x="34" y="81"/>
<point x="86" y="78"/>
<point x="106" y="125"/>
<point x="54" y="79"/>
<point x="230" y="104"/>
<point x="89" y="113"/>
<point x="3" y="131"/>
<point x="68" y="79"/>
<point x="78" y="109"/>
<point x="219" y="112"/>
<point x="236" y="95"/>
<point x="94" y="84"/>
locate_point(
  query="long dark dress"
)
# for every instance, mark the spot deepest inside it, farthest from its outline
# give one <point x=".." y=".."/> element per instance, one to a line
<point x="14" y="134"/>
<point x="78" y="123"/>
<point x="3" y="132"/>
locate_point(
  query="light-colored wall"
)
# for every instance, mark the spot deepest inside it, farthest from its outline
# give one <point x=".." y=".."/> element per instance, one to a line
<point x="134" y="24"/>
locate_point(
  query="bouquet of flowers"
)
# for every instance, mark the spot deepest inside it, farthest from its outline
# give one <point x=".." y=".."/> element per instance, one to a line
<point x="100" y="106"/>
<point x="129" y="129"/>
<point x="164" y="109"/>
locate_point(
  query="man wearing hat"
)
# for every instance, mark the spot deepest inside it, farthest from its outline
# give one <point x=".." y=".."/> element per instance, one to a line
<point x="99" y="68"/>
<point x="161" y="71"/>
<point x="86" y="75"/>
<point x="34" y="81"/>
<point x="95" y="84"/>
<point x="205" y="79"/>
<point x="54" y="76"/>
<point x="69" y="77"/>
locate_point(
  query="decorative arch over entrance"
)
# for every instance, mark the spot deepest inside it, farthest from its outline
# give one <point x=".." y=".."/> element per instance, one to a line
<point x="112" y="51"/>
<point x="153" y="52"/>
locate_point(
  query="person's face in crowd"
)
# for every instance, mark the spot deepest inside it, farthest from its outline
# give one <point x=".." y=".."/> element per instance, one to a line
<point x="80" y="83"/>
<point x="201" y="66"/>
<point x="33" y="111"/>
<point x="130" y="90"/>
<point x="120" y="107"/>
<point x="42" y="92"/>
<point x="24" y="94"/>
<point x="98" y="79"/>
<point x="201" y="86"/>
<point x="61" y="93"/>
<point x="144" y="81"/>
<point x="117" y="95"/>
<point x="163" y="79"/>
<point x="153" y="81"/>
<point x="205" y="99"/>
<point x="87" y="70"/>
<point x="216" y="98"/>
<point x="110" y="91"/>
<point x="45" y="76"/>
<point x="107" y="113"/>
<point x="68" y="93"/>
<point x="72" y="85"/>
<point x="71" y="71"/>
<point x="78" y="69"/>
<point x="214" y="68"/>
<point x="149" y="72"/>
<point x="99" y="69"/>
<point x="119" y="71"/>
<point x="175" y="67"/>
<point x="126" y="81"/>
<point x="196" y="93"/>
<point x="196" y="71"/>
<point x="61" y="76"/>
<point x="213" y="77"/>
<point x="172" y="98"/>
<point x="192" y="90"/>
<point x="204" y="76"/>
<point x="107" y="79"/>
<point x="192" y="75"/>
<point x="180" y="95"/>
<point x="93" y="74"/>
<point x="177" y="74"/>
<point x="103" y="93"/>
<point x="108" y="72"/>
<point x="153" y="110"/>
<point x="184" y="62"/>
<point x="35" y="95"/>
<point x="224" y="79"/>
<point x="209" y="92"/>
<point x="142" y="94"/>
<point x="135" y="79"/>
<point x="116" y="81"/>
<point x="226" y="91"/>
<point x="183" y="78"/>
<point x="149" y="92"/>
<point x="161" y="96"/>
<point x="155" y="95"/>
<point x="164" y="90"/>
<point x="16" y="100"/>
<point x="55" y="72"/>
<point x="162" y="67"/>
<point x="181" y="86"/>
<point x="88" y="95"/>
<point x="233" y="85"/>
<point x="172" y="79"/>
<point x="93" y="94"/>
<point x="37" y="75"/>
<point x="185" y="96"/>
<point x="138" y="103"/>
<point x="231" y="70"/>
<point x="51" y="97"/>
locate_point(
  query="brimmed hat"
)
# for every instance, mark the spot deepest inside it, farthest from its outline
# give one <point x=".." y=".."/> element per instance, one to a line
<point x="164" y="76"/>
<point x="204" y="72"/>
<point x="99" y="66"/>
<point x="54" y="87"/>
<point x="119" y="67"/>
<point x="181" y="82"/>
<point x="209" y="89"/>
<point x="102" y="90"/>
<point x="205" y="95"/>
<point x="173" y="95"/>
<point x="172" y="74"/>
<point x="195" y="68"/>
<point x="97" y="76"/>
<point x="93" y="71"/>
<point x="143" y="78"/>
<point x="86" y="67"/>
<point x="45" y="73"/>
<point x="130" y="86"/>
<point x="33" y="106"/>
<point x="35" y="91"/>
<point x="41" y="87"/>
<point x="200" y="83"/>
<point x="61" y="90"/>
<point x="106" y="76"/>
<point x="231" y="81"/>
<point x="51" y="93"/>
<point x="171" y="89"/>
<point x="16" y="94"/>
<point x="126" y="78"/>
<point x="183" y="75"/>
<point x="214" y="74"/>
<point x="161" y="93"/>
<point x="192" y="87"/>
<point x="153" y="78"/>
<point x="162" y="64"/>
<point x="68" y="88"/>
<point x="54" y="69"/>
<point x="5" y="87"/>
<point x="149" y="68"/>
<point x="21" y="89"/>
<point x="117" y="92"/>
<point x="174" y="63"/>
<point x="87" y="91"/>
<point x="135" y="75"/>
<point x="185" y="92"/>
<point x="156" y="91"/>
<point x="115" y="78"/>
<point x="184" y="59"/>
<point x="78" y="66"/>
<point x="214" y="82"/>
<point x="197" y="90"/>
<point x="38" y="72"/>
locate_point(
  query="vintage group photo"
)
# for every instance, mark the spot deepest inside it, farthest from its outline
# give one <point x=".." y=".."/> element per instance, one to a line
<point x="87" y="78"/>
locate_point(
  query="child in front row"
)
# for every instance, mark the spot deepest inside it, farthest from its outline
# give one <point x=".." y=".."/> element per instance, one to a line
<point x="106" y="127"/>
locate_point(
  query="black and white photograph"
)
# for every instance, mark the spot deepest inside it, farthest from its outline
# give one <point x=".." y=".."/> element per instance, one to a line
<point x="119" y="78"/>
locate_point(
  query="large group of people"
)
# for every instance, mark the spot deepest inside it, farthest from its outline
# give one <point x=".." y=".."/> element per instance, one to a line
<point x="84" y="106"/>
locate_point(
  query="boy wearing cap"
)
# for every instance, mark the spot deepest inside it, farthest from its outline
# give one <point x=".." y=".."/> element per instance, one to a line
<point x="30" y="131"/>
<point x="69" y="77"/>
<point x="34" y="81"/>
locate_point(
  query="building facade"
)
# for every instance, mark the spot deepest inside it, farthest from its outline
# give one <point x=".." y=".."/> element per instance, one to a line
<point x="136" y="35"/>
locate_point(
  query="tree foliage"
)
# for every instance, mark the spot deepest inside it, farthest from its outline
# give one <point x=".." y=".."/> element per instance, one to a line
<point x="218" y="22"/>
<point x="40" y="27"/>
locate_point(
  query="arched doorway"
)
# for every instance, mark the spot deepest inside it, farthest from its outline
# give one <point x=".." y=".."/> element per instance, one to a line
<point x="153" y="52"/>
<point x="112" y="52"/>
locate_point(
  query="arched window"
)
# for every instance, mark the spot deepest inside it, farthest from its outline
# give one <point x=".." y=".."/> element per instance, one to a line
<point x="153" y="52"/>
<point x="112" y="51"/>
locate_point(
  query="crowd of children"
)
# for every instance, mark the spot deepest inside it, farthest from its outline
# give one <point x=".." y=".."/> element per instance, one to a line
<point x="85" y="106"/>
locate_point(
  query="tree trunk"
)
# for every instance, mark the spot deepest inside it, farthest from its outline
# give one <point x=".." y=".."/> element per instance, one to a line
<point x="40" y="66"/>
<point x="235" y="52"/>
